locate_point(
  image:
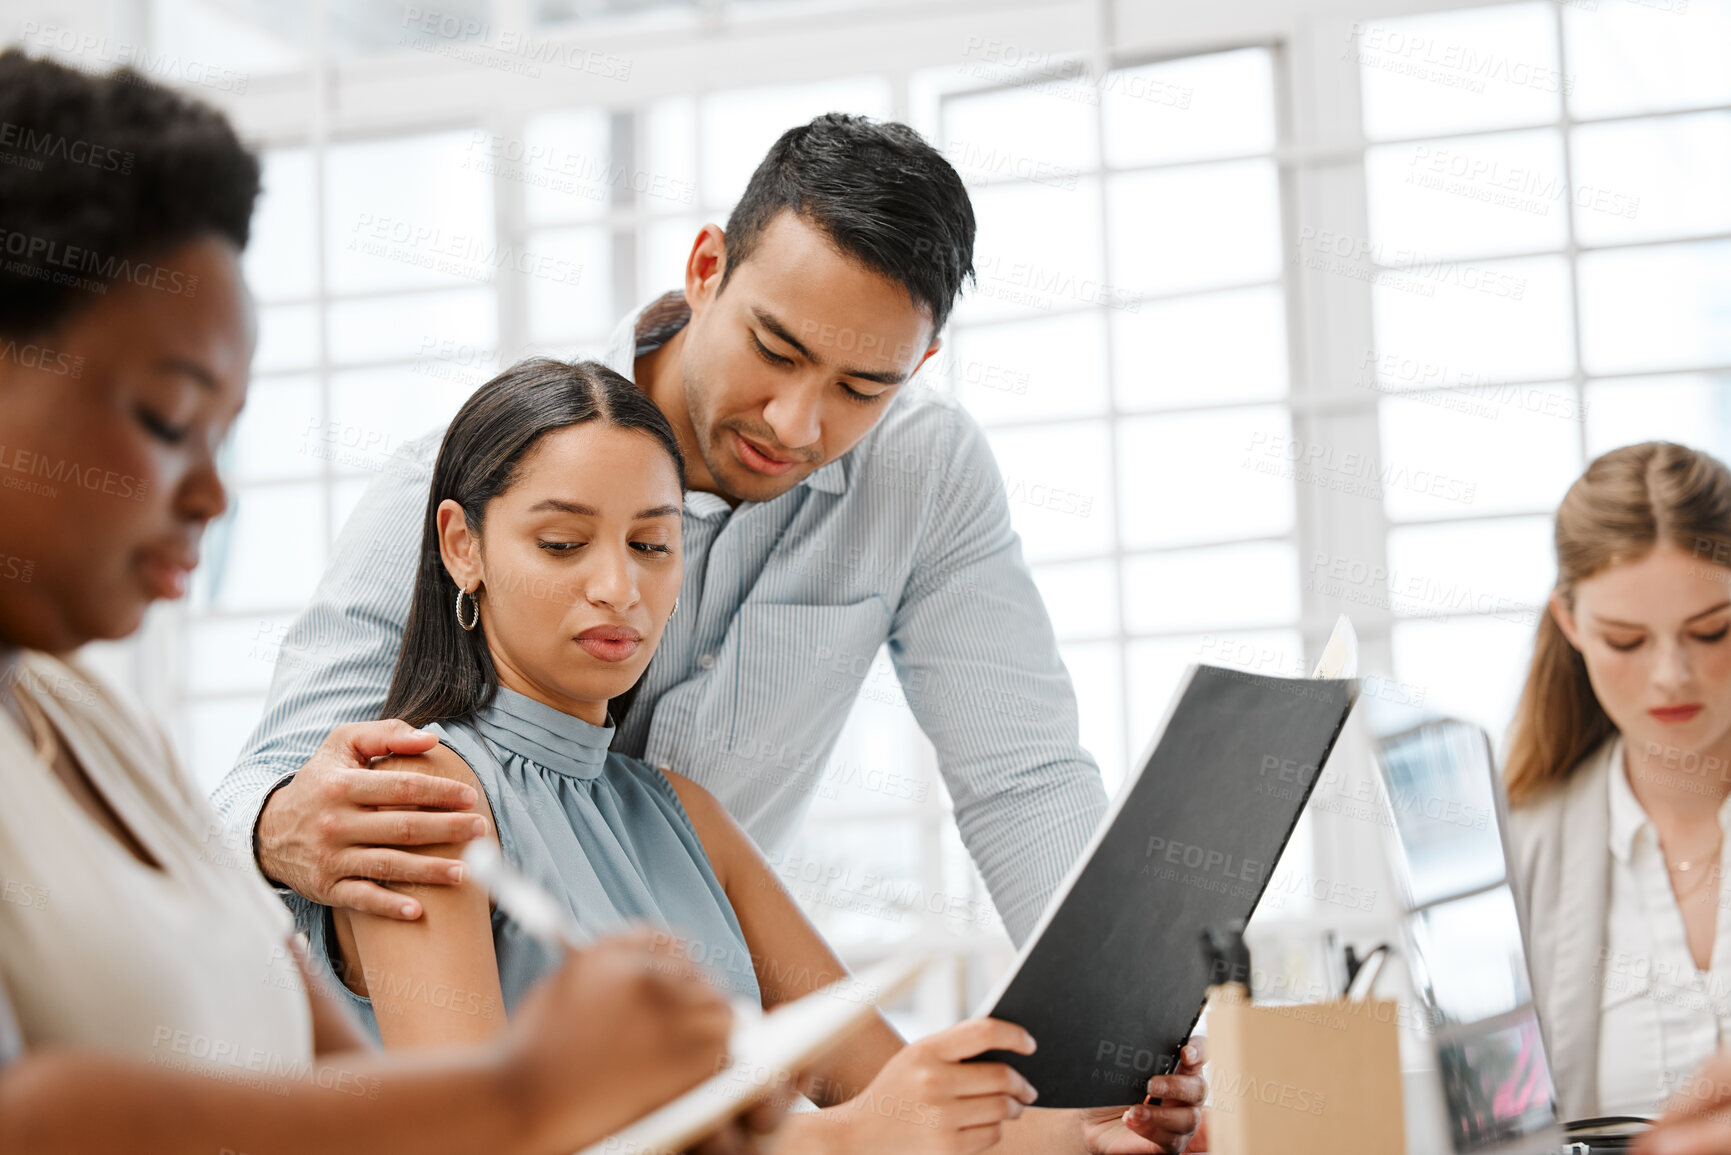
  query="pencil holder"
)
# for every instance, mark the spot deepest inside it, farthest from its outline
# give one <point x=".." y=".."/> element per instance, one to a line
<point x="1306" y="1079"/>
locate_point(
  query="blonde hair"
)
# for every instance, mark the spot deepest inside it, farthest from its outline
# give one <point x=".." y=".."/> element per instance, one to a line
<point x="1628" y="501"/>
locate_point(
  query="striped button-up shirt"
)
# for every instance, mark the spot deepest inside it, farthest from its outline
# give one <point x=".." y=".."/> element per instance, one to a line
<point x="904" y="540"/>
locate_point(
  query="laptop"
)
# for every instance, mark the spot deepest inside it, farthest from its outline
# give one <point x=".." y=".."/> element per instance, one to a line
<point x="1463" y="937"/>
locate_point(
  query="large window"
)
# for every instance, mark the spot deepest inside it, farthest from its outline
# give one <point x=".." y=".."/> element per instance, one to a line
<point x="1305" y="313"/>
<point x="1549" y="194"/>
<point x="374" y="265"/>
<point x="1129" y="230"/>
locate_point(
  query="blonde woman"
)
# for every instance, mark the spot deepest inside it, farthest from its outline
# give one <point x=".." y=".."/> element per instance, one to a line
<point x="1618" y="774"/>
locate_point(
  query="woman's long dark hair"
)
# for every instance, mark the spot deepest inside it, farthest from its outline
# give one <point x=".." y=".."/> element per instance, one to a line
<point x="444" y="671"/>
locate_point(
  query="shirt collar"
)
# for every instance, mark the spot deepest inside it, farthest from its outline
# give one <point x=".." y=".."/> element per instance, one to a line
<point x="544" y="735"/>
<point x="1627" y="817"/>
<point x="708" y="506"/>
<point x="621" y="357"/>
<point x="831" y="478"/>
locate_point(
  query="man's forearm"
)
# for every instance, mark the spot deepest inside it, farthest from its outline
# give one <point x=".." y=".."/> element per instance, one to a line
<point x="1025" y="845"/>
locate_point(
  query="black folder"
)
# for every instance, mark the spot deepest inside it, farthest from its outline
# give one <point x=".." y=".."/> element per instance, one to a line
<point x="1113" y="978"/>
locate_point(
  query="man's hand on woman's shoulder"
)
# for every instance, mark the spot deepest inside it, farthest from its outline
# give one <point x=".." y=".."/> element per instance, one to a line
<point x="325" y="836"/>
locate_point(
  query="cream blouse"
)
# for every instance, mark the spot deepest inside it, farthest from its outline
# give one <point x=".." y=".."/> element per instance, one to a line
<point x="1660" y="1017"/>
<point x="186" y="967"/>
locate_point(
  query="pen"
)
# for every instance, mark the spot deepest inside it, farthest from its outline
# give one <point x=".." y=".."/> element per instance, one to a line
<point x="527" y="904"/>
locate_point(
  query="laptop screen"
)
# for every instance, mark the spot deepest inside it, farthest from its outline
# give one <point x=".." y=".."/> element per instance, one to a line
<point x="1464" y="947"/>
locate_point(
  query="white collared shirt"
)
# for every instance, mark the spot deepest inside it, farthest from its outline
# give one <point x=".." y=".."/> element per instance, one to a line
<point x="1660" y="1017"/>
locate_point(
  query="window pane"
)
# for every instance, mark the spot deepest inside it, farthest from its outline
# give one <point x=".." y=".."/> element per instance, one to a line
<point x="1640" y="57"/>
<point x="1212" y="589"/>
<point x="847" y="878"/>
<point x="1058" y="487"/>
<point x="266" y="553"/>
<point x="668" y="138"/>
<point x="1467" y="195"/>
<point x="1462" y="389"/>
<point x="1656" y="308"/>
<point x="1641" y="179"/>
<point x="288" y="338"/>
<point x="1082" y="598"/>
<point x="279" y="260"/>
<point x="406" y="213"/>
<point x="224" y="47"/>
<point x="374" y="411"/>
<point x="1051" y="367"/>
<point x="1195" y="227"/>
<point x="1156" y="667"/>
<point x="663" y="246"/>
<point x="387" y="328"/>
<point x="1198" y="107"/>
<point x="1445" y="463"/>
<point x="229" y="655"/>
<point x="277" y="435"/>
<point x="571" y="294"/>
<point x="1221" y="347"/>
<point x="739" y="125"/>
<point x="1693" y="410"/>
<point x="1098" y="679"/>
<point x="1037" y="250"/>
<point x="1459" y="71"/>
<point x="462" y="363"/>
<point x="1019" y="134"/>
<point x="1200" y="477"/>
<point x="565" y="165"/>
<point x="217" y="731"/>
<point x="1467" y="667"/>
<point x="1507" y="320"/>
<point x="1502" y="568"/>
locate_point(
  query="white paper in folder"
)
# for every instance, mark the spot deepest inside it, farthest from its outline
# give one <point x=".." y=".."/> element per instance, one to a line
<point x="1340" y="655"/>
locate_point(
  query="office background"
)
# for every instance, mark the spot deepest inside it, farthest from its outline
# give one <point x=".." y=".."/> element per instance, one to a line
<point x="1284" y="310"/>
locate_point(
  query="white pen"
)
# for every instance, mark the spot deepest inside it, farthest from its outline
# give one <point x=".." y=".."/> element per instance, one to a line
<point x="543" y="916"/>
<point x="518" y="896"/>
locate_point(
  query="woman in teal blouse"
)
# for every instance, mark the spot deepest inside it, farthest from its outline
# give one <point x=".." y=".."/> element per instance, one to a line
<point x="550" y="565"/>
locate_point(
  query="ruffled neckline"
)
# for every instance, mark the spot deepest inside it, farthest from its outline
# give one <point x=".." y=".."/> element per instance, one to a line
<point x="550" y="738"/>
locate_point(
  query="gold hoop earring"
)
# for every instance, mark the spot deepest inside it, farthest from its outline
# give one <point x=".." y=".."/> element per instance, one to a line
<point x="475" y="618"/>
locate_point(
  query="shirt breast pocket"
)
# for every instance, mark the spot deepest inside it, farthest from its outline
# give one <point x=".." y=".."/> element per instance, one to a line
<point x="796" y="672"/>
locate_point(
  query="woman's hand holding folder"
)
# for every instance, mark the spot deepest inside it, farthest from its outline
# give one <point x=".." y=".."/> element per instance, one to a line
<point x="1164" y="1128"/>
<point x="928" y="1101"/>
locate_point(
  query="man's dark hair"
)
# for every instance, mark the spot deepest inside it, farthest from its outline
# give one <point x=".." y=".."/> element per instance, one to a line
<point x="98" y="173"/>
<point x="881" y="194"/>
<point x="444" y="671"/>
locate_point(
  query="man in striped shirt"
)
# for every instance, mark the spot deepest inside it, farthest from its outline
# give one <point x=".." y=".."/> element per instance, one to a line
<point x="830" y="510"/>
